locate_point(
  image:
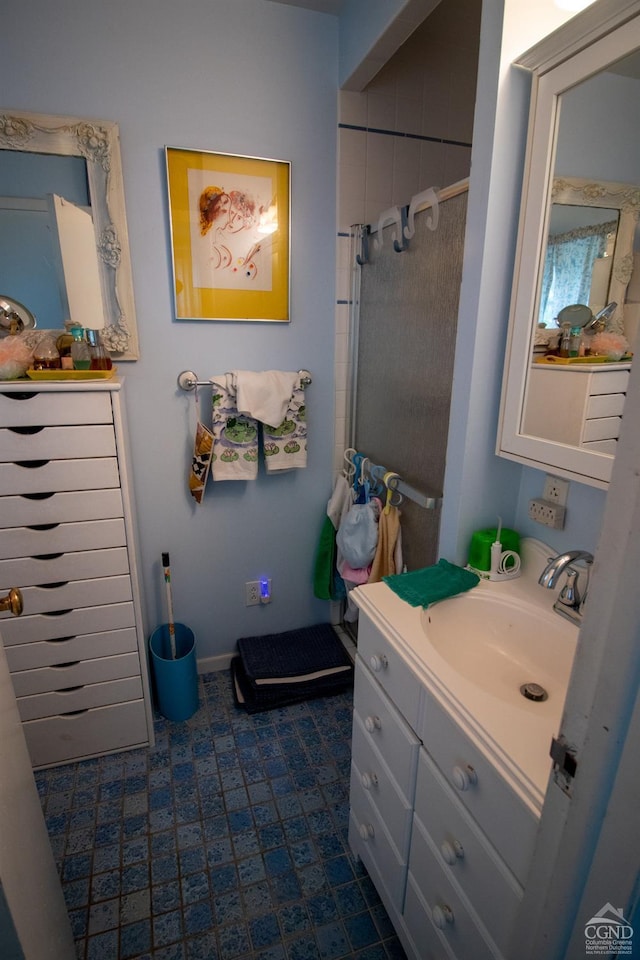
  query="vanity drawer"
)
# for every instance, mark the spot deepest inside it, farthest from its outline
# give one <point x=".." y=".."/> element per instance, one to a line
<point x="63" y="538"/>
<point x="57" y="443"/>
<point x="89" y="733"/>
<point x="373" y="776"/>
<point x="53" y="476"/>
<point x="28" y="683"/>
<point x="603" y="446"/>
<point x="60" y="507"/>
<point x="390" y="670"/>
<point x="370" y="840"/>
<point x="84" y="646"/>
<point x="606" y="428"/>
<point x="30" y="408"/>
<point x="609" y="381"/>
<point x="42" y="626"/>
<point x="386" y="729"/>
<point x="85" y="564"/>
<point x="491" y="888"/>
<point x="425" y="943"/>
<point x="605" y="405"/>
<point x="464" y="936"/>
<point x="509" y="825"/>
<point x="61" y="702"/>
<point x="76" y="594"/>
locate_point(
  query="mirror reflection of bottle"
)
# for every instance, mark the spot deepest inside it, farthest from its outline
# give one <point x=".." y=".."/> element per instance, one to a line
<point x="100" y="359"/>
<point x="565" y="340"/>
<point x="574" y="342"/>
<point x="80" y="350"/>
<point x="45" y="355"/>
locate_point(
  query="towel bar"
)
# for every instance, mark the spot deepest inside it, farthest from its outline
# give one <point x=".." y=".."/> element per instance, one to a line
<point x="187" y="380"/>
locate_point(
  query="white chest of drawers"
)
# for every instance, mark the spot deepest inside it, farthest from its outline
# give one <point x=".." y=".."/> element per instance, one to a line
<point x="578" y="405"/>
<point x="444" y="838"/>
<point x="77" y="655"/>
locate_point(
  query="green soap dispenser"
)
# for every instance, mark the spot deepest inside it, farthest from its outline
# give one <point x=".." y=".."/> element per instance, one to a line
<point x="80" y="350"/>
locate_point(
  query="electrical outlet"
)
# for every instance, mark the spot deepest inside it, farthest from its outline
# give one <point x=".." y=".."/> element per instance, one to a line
<point x="547" y="513"/>
<point x="252" y="593"/>
<point x="556" y="490"/>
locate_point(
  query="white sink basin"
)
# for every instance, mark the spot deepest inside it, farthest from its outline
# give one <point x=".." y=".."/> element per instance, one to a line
<point x="502" y="644"/>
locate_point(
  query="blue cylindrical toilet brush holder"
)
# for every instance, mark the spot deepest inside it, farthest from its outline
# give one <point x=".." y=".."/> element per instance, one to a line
<point x="175" y="680"/>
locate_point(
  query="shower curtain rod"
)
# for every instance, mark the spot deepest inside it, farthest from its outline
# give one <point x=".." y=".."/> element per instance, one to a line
<point x="187" y="380"/>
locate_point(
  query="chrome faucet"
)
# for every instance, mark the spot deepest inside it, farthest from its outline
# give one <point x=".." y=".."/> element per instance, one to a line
<point x="571" y="600"/>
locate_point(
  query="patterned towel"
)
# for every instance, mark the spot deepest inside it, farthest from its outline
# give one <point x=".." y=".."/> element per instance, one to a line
<point x="235" y="437"/>
<point x="285" y="445"/>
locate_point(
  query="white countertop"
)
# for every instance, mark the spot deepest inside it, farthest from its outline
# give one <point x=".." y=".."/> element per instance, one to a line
<point x="515" y="737"/>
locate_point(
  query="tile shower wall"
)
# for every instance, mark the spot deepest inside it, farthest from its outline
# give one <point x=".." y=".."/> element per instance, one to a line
<point x="408" y="130"/>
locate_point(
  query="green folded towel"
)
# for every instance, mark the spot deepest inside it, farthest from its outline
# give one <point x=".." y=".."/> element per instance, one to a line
<point x="422" y="587"/>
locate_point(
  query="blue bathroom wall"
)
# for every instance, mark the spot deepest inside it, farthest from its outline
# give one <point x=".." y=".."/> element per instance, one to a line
<point x="479" y="486"/>
<point x="251" y="78"/>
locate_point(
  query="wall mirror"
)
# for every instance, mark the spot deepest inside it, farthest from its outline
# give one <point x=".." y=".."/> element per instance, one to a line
<point x="91" y="150"/>
<point x="582" y="178"/>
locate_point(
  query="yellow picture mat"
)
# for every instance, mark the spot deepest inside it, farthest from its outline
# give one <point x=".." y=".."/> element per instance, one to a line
<point x="196" y="256"/>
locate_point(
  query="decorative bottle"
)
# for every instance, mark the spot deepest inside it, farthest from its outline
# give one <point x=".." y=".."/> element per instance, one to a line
<point x="100" y="359"/>
<point x="45" y="355"/>
<point x="80" y="350"/>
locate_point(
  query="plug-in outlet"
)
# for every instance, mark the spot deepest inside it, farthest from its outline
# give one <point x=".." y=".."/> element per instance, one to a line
<point x="556" y="490"/>
<point x="547" y="513"/>
<point x="252" y="593"/>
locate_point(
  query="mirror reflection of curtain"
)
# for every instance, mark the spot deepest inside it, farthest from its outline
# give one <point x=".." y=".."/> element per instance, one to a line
<point x="568" y="268"/>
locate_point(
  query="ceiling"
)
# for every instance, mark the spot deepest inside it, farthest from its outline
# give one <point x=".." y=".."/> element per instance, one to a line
<point x="321" y="6"/>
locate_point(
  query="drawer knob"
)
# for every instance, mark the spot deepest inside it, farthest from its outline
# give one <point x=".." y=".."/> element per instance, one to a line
<point x="369" y="780"/>
<point x="464" y="777"/>
<point x="442" y="915"/>
<point x="372" y="724"/>
<point x="379" y="662"/>
<point x="452" y="852"/>
<point x="12" y="602"/>
<point x="366" y="831"/>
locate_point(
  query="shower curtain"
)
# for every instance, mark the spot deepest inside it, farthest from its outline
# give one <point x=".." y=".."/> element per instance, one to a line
<point x="404" y="325"/>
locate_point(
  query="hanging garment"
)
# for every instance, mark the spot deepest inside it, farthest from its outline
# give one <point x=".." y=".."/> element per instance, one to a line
<point x="357" y="536"/>
<point x="327" y="582"/>
<point x="386" y="560"/>
<point x="235" y="436"/>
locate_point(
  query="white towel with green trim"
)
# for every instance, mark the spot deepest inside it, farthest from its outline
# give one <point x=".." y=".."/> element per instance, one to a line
<point x="235" y="435"/>
<point x="285" y="445"/>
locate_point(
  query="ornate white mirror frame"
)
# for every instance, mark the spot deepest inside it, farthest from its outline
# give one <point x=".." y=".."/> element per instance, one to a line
<point x="586" y="45"/>
<point x="98" y="142"/>
<point x="623" y="197"/>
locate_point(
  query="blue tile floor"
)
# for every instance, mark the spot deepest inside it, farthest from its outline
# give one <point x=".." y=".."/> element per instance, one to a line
<point x="226" y="840"/>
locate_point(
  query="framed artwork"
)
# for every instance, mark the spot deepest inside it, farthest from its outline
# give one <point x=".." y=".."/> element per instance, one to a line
<point x="230" y="235"/>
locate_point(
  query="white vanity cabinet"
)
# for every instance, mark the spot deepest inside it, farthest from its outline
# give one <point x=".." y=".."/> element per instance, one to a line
<point x="580" y="405"/>
<point x="445" y="839"/>
<point x="77" y="654"/>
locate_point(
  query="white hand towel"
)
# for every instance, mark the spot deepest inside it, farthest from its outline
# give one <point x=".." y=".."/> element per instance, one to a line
<point x="265" y="395"/>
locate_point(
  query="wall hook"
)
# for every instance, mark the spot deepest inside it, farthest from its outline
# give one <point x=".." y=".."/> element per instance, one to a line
<point x="390" y="216"/>
<point x="418" y="202"/>
<point x="404" y="240"/>
<point x="363" y="256"/>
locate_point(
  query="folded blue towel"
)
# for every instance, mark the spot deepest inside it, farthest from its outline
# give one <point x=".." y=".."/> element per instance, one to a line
<point x="422" y="587"/>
